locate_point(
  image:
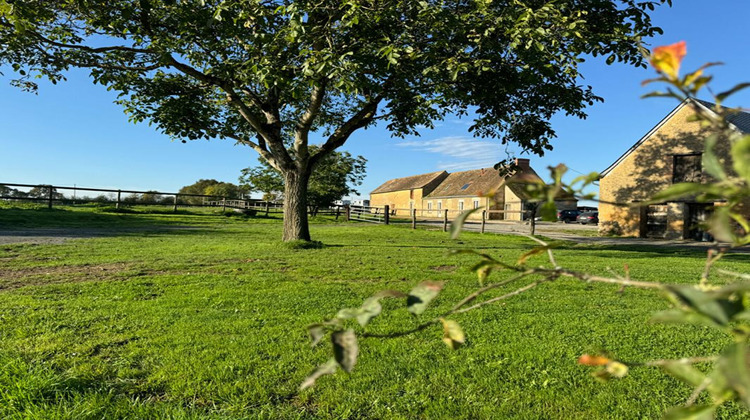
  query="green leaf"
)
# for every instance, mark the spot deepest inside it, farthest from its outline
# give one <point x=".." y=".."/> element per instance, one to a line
<point x="369" y="310"/>
<point x="685" y="372"/>
<point x="676" y="191"/>
<point x="327" y="368"/>
<point x="548" y="211"/>
<point x="733" y="364"/>
<point x="458" y="223"/>
<point x="370" y="307"/>
<point x="316" y="332"/>
<point x="694" y="412"/>
<point x="453" y="335"/>
<point x="345" y="348"/>
<point x="718" y="387"/>
<point x="711" y="163"/>
<point x="730" y="289"/>
<point x="741" y="157"/>
<point x="421" y="296"/>
<point x="723" y="95"/>
<point x="347" y="313"/>
<point x="679" y="316"/>
<point x="533" y="251"/>
<point x="616" y="369"/>
<point x="700" y="302"/>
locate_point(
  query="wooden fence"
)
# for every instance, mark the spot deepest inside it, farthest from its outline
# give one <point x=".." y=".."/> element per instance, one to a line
<point x="388" y="215"/>
<point x="52" y="195"/>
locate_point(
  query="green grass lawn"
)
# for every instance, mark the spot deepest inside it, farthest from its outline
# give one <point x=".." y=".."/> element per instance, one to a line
<point x="209" y="322"/>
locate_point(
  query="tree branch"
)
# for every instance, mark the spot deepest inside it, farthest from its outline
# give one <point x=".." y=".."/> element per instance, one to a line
<point x="360" y="119"/>
<point x="306" y="120"/>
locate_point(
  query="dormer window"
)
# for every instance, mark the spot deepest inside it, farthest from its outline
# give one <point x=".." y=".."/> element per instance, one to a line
<point x="687" y="168"/>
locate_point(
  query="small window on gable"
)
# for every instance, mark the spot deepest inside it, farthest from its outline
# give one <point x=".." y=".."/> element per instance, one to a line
<point x="687" y="168"/>
<point x="466" y="186"/>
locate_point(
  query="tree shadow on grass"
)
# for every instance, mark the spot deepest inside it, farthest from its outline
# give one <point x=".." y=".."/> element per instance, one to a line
<point x="651" y="251"/>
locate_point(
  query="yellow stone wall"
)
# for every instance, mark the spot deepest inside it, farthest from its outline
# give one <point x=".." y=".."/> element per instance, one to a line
<point x="647" y="171"/>
<point x="402" y="201"/>
<point x="513" y="206"/>
<point x="451" y="204"/>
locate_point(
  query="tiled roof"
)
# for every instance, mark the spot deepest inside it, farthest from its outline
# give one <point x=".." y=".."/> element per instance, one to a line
<point x="474" y="183"/>
<point x="407" y="183"/>
<point x="741" y="120"/>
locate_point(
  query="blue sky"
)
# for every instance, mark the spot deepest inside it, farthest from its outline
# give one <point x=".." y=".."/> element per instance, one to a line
<point x="72" y="133"/>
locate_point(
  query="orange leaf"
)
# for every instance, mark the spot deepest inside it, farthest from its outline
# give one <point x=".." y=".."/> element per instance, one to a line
<point x="589" y="360"/>
<point x="667" y="58"/>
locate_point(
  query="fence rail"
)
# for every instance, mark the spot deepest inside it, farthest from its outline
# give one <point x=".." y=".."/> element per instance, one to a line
<point x="51" y="194"/>
<point x="383" y="215"/>
<point x="393" y="215"/>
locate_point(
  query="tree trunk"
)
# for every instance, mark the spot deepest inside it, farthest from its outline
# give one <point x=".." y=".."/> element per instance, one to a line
<point x="295" y="206"/>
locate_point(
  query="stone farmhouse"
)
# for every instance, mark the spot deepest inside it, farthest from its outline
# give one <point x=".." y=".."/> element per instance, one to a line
<point x="431" y="194"/>
<point x="671" y="152"/>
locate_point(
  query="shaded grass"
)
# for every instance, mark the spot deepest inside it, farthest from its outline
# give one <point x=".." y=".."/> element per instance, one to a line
<point x="211" y="323"/>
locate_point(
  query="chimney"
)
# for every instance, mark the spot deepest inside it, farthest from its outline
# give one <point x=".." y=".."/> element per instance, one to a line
<point x="522" y="163"/>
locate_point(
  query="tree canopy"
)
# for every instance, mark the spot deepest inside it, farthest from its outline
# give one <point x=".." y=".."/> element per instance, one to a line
<point x="335" y="177"/>
<point x="211" y="187"/>
<point x="268" y="73"/>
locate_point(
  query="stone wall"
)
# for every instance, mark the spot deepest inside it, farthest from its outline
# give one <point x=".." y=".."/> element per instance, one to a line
<point x="648" y="170"/>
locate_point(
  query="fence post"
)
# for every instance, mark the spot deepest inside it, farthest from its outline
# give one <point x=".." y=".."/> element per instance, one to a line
<point x="348" y="213"/>
<point x="445" y="221"/>
<point x="387" y="214"/>
<point x="117" y="204"/>
<point x="223" y="204"/>
<point x="174" y="209"/>
<point x="49" y="197"/>
<point x="413" y="218"/>
<point x="268" y="207"/>
<point x="484" y="219"/>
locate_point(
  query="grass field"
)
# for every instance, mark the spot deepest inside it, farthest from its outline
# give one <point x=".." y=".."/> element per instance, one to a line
<point x="208" y="321"/>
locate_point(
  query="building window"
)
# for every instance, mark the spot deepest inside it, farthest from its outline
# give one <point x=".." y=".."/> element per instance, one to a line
<point x="476" y="204"/>
<point x="687" y="168"/>
<point x="461" y="205"/>
<point x="429" y="206"/>
<point x="440" y="205"/>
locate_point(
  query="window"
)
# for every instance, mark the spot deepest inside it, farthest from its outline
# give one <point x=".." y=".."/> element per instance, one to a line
<point x="687" y="168"/>
<point x="440" y="205"/>
<point x="466" y="186"/>
<point x="461" y="205"/>
<point x="429" y="206"/>
<point x="476" y="204"/>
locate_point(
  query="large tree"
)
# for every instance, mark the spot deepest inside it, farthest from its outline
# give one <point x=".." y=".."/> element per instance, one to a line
<point x="269" y="73"/>
<point x="336" y="176"/>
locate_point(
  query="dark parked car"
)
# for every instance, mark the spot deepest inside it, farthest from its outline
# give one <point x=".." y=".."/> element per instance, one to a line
<point x="589" y="217"/>
<point x="567" y="216"/>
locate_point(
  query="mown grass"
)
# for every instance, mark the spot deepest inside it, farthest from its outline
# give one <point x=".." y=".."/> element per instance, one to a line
<point x="210" y="323"/>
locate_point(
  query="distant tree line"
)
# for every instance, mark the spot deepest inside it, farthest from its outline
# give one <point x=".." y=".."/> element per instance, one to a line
<point x="214" y="188"/>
